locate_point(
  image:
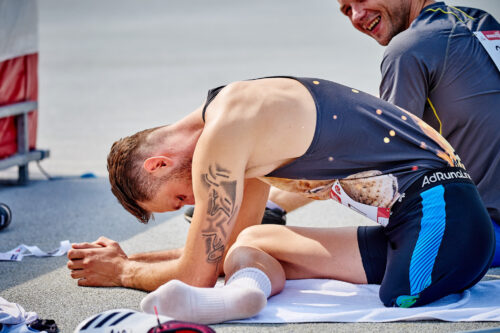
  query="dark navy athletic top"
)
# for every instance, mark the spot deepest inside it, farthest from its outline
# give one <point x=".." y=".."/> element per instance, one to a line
<point x="438" y="70"/>
<point x="374" y="148"/>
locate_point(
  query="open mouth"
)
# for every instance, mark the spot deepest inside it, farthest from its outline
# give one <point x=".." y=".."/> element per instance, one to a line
<point x="373" y="24"/>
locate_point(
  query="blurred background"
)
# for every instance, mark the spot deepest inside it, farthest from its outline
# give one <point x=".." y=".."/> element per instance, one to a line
<point x="110" y="68"/>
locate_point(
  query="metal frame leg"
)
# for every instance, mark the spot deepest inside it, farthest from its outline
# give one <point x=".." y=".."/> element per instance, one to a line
<point x="23" y="146"/>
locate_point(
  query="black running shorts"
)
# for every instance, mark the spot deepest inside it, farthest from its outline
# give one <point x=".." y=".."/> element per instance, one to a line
<point x="439" y="241"/>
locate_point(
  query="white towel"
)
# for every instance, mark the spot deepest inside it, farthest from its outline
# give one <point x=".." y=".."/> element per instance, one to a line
<point x="14" y="314"/>
<point x="316" y="300"/>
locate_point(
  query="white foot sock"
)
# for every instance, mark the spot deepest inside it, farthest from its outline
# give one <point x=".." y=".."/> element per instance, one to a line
<point x="243" y="296"/>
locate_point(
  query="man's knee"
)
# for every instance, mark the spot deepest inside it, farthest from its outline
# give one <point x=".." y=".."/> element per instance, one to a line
<point x="253" y="236"/>
<point x="393" y="297"/>
<point x="243" y="256"/>
<point x="395" y="291"/>
<point x="247" y="248"/>
<point x="400" y="301"/>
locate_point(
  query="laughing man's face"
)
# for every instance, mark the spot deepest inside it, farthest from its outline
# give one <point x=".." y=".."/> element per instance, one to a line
<point x="379" y="19"/>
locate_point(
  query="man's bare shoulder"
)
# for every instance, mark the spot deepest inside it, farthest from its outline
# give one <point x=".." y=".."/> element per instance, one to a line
<point x="273" y="119"/>
<point x="253" y="99"/>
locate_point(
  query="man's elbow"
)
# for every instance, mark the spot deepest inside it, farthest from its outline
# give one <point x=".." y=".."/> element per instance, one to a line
<point x="197" y="274"/>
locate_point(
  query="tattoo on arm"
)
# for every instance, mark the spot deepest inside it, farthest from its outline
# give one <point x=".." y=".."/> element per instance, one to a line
<point x="221" y="210"/>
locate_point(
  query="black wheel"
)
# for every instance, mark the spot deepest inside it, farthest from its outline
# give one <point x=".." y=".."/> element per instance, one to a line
<point x="5" y="216"/>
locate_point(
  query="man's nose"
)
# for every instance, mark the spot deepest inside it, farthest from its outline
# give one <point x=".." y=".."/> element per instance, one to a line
<point x="357" y="13"/>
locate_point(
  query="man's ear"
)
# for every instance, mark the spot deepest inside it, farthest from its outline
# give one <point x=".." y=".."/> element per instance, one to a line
<point x="156" y="163"/>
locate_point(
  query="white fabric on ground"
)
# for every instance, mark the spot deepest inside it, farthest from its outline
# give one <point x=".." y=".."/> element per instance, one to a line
<point x="20" y="328"/>
<point x="316" y="300"/>
<point x="13" y="313"/>
<point x="23" y="250"/>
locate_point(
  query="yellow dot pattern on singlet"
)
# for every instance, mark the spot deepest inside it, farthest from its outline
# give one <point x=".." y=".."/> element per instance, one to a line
<point x="392" y="133"/>
<point x="335" y="116"/>
<point x="316" y="82"/>
<point x="330" y="159"/>
<point x="355" y="91"/>
<point x="379" y="112"/>
<point x="403" y="117"/>
<point x="387" y="140"/>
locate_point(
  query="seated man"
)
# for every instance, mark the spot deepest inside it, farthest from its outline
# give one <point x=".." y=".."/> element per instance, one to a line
<point x="436" y="68"/>
<point x="314" y="137"/>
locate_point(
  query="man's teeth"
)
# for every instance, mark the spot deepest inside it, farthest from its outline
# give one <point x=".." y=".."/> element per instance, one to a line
<point x="373" y="24"/>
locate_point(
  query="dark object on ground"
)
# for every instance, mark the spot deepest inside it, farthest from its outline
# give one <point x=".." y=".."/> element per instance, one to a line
<point x="5" y="216"/>
<point x="47" y="325"/>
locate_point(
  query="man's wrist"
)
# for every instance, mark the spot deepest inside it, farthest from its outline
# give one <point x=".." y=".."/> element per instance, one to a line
<point x="137" y="257"/>
<point x="126" y="275"/>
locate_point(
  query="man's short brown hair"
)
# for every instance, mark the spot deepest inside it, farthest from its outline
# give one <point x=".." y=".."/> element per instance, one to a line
<point x="130" y="183"/>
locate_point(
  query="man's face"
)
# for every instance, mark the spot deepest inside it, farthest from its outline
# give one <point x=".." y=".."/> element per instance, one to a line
<point x="175" y="190"/>
<point x="379" y="19"/>
<point x="170" y="196"/>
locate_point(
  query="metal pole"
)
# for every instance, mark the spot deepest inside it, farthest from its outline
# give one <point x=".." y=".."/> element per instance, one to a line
<point x="23" y="145"/>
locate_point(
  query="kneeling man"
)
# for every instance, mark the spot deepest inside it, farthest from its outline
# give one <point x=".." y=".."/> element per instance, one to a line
<point x="324" y="141"/>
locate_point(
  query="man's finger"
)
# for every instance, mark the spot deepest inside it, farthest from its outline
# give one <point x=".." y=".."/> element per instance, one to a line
<point x="74" y="254"/>
<point x="103" y="241"/>
<point x="83" y="282"/>
<point x="85" y="245"/>
<point x="75" y="264"/>
<point x="77" y="274"/>
<point x="89" y="282"/>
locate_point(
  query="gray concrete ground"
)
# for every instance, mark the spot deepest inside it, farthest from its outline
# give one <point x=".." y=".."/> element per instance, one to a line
<point x="111" y="68"/>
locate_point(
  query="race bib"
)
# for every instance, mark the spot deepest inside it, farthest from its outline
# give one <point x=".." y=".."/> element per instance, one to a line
<point x="491" y="43"/>
<point x="378" y="214"/>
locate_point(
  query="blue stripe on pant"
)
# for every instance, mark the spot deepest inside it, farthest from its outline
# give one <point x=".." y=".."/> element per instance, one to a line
<point x="432" y="228"/>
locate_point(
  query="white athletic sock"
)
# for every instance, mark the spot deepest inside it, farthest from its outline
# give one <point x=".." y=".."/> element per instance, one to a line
<point x="250" y="277"/>
<point x="244" y="295"/>
<point x="273" y="205"/>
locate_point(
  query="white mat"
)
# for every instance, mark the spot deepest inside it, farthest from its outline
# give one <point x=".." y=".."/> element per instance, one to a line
<point x="335" y="301"/>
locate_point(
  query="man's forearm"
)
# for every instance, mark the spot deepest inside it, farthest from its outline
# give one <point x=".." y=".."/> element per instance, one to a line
<point x="104" y="264"/>
<point x="157" y="256"/>
<point x="149" y="276"/>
